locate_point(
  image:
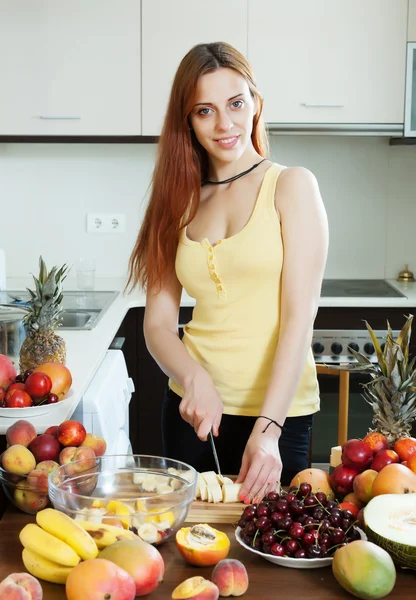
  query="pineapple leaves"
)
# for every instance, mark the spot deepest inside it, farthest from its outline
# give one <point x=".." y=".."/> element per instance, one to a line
<point x="403" y="339"/>
<point x="378" y="350"/>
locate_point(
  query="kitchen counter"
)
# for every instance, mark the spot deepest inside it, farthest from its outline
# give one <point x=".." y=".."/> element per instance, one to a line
<point x="265" y="579"/>
<point x="86" y="349"/>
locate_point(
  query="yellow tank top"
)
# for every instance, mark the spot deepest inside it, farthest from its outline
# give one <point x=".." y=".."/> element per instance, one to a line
<point x="234" y="329"/>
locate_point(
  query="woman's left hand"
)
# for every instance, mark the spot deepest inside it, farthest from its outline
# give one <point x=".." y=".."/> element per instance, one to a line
<point x="261" y="465"/>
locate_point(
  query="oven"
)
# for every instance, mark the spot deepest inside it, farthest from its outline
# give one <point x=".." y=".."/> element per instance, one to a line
<point x="340" y="325"/>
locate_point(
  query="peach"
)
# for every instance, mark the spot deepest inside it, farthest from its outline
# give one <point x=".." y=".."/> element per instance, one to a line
<point x="18" y="460"/>
<point x="77" y="459"/>
<point x="28" y="500"/>
<point x="38" y="478"/>
<point x="7" y="372"/>
<point x="20" y="586"/>
<point x="97" y="443"/>
<point x="141" y="560"/>
<point x="202" y="555"/>
<point x="363" y="485"/>
<point x="377" y="441"/>
<point x="230" y="576"/>
<point x="98" y="579"/>
<point x="21" y="432"/>
<point x="196" y="588"/>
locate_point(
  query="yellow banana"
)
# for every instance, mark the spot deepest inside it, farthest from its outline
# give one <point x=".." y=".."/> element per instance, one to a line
<point x="105" y="535"/>
<point x="45" y="569"/>
<point x="34" y="538"/>
<point x="66" y="529"/>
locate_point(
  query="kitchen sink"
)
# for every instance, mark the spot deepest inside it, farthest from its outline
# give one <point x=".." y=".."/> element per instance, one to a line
<point x="78" y="319"/>
<point x="81" y="310"/>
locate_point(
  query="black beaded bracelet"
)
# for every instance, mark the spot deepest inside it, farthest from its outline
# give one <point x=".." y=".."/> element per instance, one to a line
<point x="270" y="422"/>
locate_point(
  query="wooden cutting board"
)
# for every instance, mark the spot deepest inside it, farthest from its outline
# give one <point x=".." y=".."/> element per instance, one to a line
<point x="208" y="512"/>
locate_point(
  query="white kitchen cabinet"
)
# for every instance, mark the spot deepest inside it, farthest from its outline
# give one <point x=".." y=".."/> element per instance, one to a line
<point x="411" y="23"/>
<point x="169" y="30"/>
<point x="329" y="61"/>
<point x="70" y="67"/>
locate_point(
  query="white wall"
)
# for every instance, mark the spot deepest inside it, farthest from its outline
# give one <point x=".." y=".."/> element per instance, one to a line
<point x="47" y="189"/>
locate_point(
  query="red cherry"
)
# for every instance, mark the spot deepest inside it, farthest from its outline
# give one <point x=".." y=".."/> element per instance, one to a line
<point x="52" y="398"/>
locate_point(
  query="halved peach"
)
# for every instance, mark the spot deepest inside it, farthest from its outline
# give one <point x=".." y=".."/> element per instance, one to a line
<point x="202" y="545"/>
<point x="196" y="588"/>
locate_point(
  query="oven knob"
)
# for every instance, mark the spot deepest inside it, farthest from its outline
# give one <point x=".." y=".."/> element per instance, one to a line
<point x="336" y="348"/>
<point x="354" y="346"/>
<point x="368" y="348"/>
<point x="318" y="348"/>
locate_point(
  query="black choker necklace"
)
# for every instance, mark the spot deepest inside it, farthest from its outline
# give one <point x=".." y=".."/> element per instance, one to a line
<point x="235" y="176"/>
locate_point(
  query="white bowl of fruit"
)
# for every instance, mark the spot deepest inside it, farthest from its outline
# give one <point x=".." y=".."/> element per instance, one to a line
<point x="297" y="529"/>
<point x="33" y="392"/>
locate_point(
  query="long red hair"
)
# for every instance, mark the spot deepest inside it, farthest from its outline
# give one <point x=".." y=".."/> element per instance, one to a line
<point x="181" y="164"/>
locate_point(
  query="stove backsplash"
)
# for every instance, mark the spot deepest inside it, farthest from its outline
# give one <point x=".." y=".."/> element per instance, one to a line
<point x="367" y="186"/>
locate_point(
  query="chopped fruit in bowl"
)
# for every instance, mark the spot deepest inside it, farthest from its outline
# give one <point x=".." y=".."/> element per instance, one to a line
<point x="147" y="495"/>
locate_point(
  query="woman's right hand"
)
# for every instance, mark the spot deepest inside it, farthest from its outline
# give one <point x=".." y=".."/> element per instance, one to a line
<point x="201" y="405"/>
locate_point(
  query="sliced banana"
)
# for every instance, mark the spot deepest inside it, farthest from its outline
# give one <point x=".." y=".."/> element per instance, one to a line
<point x="148" y="533"/>
<point x="230" y="492"/>
<point x="163" y="488"/>
<point x="138" y="478"/>
<point x="203" y="488"/>
<point x="149" y="483"/>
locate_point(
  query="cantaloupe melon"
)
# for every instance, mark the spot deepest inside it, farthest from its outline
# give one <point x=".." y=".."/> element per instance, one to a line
<point x="390" y="522"/>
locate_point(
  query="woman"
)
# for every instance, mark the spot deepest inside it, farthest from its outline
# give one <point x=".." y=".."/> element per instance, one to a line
<point x="248" y="240"/>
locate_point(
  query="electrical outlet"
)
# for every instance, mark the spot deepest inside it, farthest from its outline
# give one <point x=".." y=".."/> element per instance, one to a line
<point x="106" y="222"/>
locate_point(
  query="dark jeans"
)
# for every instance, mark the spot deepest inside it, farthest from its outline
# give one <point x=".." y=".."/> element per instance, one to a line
<point x="180" y="441"/>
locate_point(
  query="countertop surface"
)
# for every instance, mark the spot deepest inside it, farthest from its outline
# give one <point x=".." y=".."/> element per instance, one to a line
<point x="86" y="349"/>
<point x="266" y="581"/>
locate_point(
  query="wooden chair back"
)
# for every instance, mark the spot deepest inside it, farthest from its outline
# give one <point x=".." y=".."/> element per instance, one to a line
<point x="343" y="399"/>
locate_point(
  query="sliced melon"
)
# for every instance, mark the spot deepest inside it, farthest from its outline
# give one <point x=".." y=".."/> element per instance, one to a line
<point x="390" y="521"/>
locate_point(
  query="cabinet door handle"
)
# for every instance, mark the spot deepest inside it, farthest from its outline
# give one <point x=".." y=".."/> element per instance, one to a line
<point x="53" y="118"/>
<point x="309" y="105"/>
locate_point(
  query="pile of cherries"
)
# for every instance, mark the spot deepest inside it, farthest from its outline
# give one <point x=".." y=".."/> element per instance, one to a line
<point x="297" y="524"/>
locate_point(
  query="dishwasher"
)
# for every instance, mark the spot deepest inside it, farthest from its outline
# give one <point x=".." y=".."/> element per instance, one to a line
<point x="104" y="408"/>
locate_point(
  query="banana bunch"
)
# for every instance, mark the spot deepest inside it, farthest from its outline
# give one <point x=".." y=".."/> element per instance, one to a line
<point x="55" y="545"/>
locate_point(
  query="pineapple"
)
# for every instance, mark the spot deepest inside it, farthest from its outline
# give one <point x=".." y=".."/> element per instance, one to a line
<point x="41" y="343"/>
<point x="391" y="392"/>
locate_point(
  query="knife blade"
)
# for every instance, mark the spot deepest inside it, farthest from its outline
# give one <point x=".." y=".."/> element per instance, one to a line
<point x="214" y="451"/>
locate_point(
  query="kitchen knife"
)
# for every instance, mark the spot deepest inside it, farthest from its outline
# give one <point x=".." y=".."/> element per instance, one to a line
<point x="214" y="451"/>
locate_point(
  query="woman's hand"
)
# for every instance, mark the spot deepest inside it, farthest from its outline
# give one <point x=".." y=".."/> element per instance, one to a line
<point x="261" y="466"/>
<point x="201" y="405"/>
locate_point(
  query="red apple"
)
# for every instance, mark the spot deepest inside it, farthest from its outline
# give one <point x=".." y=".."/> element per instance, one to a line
<point x="18" y="399"/>
<point x="342" y="479"/>
<point x="356" y="454"/>
<point x="38" y="385"/>
<point x="45" y="447"/>
<point x="383" y="458"/>
<point x="71" y="433"/>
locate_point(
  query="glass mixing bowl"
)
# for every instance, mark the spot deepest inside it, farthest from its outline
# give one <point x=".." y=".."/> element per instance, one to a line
<point x="150" y="495"/>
